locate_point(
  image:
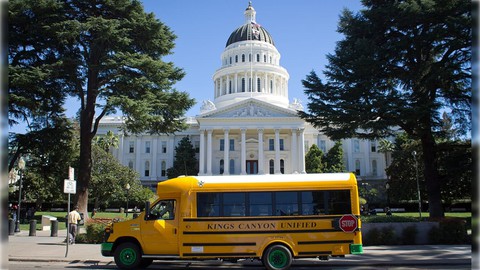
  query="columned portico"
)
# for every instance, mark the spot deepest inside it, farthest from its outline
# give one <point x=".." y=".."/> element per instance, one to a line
<point x="243" y="162"/>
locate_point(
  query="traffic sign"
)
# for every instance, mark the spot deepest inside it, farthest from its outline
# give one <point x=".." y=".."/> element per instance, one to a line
<point x="69" y="186"/>
<point x="348" y="223"/>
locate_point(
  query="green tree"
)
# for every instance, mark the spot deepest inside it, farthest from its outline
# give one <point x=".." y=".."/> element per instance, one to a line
<point x="47" y="160"/>
<point x="109" y="179"/>
<point x="400" y="64"/>
<point x="185" y="162"/>
<point x="107" y="141"/>
<point x="313" y="160"/>
<point x="334" y="159"/>
<point x="108" y="54"/>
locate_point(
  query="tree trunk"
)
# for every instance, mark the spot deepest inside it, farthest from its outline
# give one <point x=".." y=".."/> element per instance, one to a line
<point x="85" y="168"/>
<point x="432" y="180"/>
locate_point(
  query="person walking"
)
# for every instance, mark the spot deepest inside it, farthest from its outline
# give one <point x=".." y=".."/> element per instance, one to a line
<point x="73" y="219"/>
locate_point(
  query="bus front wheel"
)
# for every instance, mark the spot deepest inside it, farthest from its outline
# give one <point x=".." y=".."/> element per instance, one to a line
<point x="128" y="256"/>
<point x="277" y="257"/>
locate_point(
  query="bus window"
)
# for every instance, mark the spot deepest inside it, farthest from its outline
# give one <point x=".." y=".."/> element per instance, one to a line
<point x="338" y="202"/>
<point x="286" y="203"/>
<point x="164" y="209"/>
<point x="208" y="204"/>
<point x="260" y="203"/>
<point x="312" y="203"/>
<point x="234" y="204"/>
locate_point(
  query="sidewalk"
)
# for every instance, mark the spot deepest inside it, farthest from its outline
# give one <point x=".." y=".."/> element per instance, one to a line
<point x="42" y="247"/>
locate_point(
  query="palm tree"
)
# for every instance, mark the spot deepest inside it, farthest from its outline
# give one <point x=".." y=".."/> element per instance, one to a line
<point x="107" y="141"/>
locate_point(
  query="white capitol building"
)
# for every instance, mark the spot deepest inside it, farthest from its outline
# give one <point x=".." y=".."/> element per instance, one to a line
<point x="251" y="127"/>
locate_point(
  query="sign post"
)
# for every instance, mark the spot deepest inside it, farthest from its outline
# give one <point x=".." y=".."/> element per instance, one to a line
<point x="348" y="223"/>
<point x="70" y="187"/>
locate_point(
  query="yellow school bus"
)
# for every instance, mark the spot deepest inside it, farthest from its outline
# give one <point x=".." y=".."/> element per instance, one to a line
<point x="272" y="218"/>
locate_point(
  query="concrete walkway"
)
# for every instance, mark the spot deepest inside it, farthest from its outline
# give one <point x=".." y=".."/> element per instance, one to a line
<point x="42" y="247"/>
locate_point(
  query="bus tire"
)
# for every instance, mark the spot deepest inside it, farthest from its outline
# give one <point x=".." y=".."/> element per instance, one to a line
<point x="277" y="257"/>
<point x="128" y="256"/>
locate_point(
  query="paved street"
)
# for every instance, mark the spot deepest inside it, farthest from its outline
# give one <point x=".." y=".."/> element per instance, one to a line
<point x="45" y="252"/>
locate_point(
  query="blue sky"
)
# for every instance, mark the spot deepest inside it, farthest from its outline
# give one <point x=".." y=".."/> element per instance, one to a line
<point x="304" y="32"/>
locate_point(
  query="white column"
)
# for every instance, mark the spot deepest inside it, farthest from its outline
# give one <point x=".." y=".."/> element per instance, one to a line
<point x="301" y="157"/>
<point x="209" y="152"/>
<point x="226" y="152"/>
<point x="261" y="162"/>
<point x="277" y="151"/>
<point x="221" y="86"/>
<point x="243" y="155"/>
<point x="154" y="159"/>
<point x="138" y="162"/>
<point x="236" y="83"/>
<point x="120" y="150"/>
<point x="367" y="157"/>
<point x="255" y="87"/>
<point x="201" y="169"/>
<point x="294" y="152"/>
<point x="265" y="83"/>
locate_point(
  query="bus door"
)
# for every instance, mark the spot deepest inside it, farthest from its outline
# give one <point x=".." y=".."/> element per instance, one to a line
<point x="160" y="231"/>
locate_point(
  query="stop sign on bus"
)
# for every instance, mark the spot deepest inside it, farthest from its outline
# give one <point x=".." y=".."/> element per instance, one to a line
<point x="348" y="223"/>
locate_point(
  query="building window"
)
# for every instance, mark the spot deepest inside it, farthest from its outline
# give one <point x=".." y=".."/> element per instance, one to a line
<point x="265" y="58"/>
<point x="258" y="57"/>
<point x="374" y="167"/>
<point x="222" y="166"/>
<point x="232" y="145"/>
<point x="282" y="166"/>
<point x="282" y="145"/>
<point x="232" y="166"/>
<point x="356" y="146"/>
<point x="271" y="87"/>
<point x="147" y="147"/>
<point x="357" y="167"/>
<point x="197" y="146"/>
<point x="373" y="146"/>
<point x="131" y="148"/>
<point x="258" y="85"/>
<point x="271" y="164"/>
<point x="164" y="168"/>
<point x="249" y="58"/>
<point x="250" y="85"/>
<point x="271" y="144"/>
<point x="164" y="147"/>
<point x="230" y="60"/>
<point x="243" y="84"/>
<point x="230" y="87"/>
<point x="222" y="145"/>
<point x="236" y="58"/>
<point x="243" y="57"/>
<point x="323" y="146"/>
<point x="147" y="168"/>
<point x="130" y="165"/>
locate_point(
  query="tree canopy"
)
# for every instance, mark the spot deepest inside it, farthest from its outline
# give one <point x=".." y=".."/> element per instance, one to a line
<point x="185" y="162"/>
<point x="107" y="54"/>
<point x="331" y="162"/>
<point x="400" y="64"/>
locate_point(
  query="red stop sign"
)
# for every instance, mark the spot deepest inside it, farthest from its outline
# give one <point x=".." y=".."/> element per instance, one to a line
<point x="348" y="223"/>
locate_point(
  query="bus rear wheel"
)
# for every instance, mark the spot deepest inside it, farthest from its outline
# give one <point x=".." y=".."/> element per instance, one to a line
<point x="277" y="257"/>
<point x="128" y="256"/>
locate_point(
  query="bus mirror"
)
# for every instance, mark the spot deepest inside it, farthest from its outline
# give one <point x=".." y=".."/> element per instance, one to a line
<point x="147" y="210"/>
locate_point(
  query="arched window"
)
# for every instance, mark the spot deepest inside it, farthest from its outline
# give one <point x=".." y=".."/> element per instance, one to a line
<point x="243" y="84"/>
<point x="272" y="166"/>
<point x="230" y="60"/>
<point x="232" y="166"/>
<point x="265" y="58"/>
<point x="230" y="87"/>
<point x="147" y="168"/>
<point x="243" y="57"/>
<point x="282" y="166"/>
<point x="221" y="166"/>
<point x="258" y="57"/>
<point x="258" y="85"/>
<point x="236" y="58"/>
<point x="164" y="168"/>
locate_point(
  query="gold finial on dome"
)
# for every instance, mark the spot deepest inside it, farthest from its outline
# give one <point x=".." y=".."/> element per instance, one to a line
<point x="249" y="5"/>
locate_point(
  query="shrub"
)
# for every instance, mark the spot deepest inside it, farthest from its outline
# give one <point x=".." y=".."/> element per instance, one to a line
<point x="387" y="219"/>
<point x="409" y="235"/>
<point x="95" y="233"/>
<point x="449" y="231"/>
<point x="383" y="236"/>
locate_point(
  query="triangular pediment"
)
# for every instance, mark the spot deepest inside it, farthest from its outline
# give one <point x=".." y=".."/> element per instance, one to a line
<point x="251" y="108"/>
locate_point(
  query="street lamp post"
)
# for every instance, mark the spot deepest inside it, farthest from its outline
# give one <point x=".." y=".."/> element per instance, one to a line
<point x="127" y="187"/>
<point x="414" y="153"/>
<point x="21" y="167"/>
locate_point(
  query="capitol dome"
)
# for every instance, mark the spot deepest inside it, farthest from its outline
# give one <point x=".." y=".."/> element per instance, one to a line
<point x="250" y="31"/>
